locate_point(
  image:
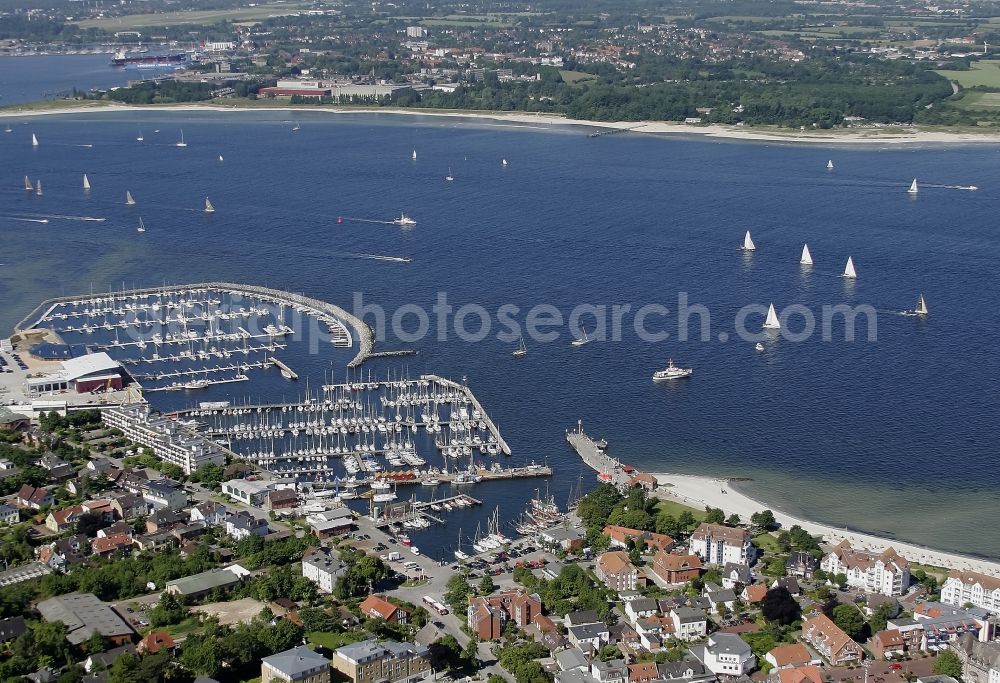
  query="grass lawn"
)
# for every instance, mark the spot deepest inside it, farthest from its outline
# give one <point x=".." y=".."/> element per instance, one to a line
<point x="985" y="73"/>
<point x="672" y="507"/>
<point x="939" y="573"/>
<point x="768" y="543"/>
<point x="575" y="76"/>
<point x="201" y="18"/>
<point x="187" y="626"/>
<point x="978" y="100"/>
<point x="332" y="640"/>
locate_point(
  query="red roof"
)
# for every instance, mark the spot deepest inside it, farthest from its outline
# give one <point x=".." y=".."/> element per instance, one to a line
<point x="374" y="606"/>
<point x="154" y="641"/>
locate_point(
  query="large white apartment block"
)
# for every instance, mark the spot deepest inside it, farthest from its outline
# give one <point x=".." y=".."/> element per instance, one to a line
<point x="717" y="544"/>
<point x="972" y="587"/>
<point x="323" y="568"/>
<point x="169" y="441"/>
<point x="886" y="573"/>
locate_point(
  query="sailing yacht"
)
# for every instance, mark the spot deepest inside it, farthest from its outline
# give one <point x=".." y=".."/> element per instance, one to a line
<point x="414" y="155"/>
<point x="208" y="206"/>
<point x="849" y="271"/>
<point x="220" y="158"/>
<point x="38" y="187"/>
<point x="503" y="162"/>
<point x="449" y="177"/>
<point x="404" y="220"/>
<point x="86" y="182"/>
<point x="141" y="228"/>
<point x="759" y="346"/>
<point x="829" y="165"/>
<point x="748" y="244"/>
<point x="139" y="138"/>
<point x="34" y="140"/>
<point x="128" y="198"/>
<point x="181" y="142"/>
<point x="921" y="308"/>
<point x="807" y="259"/>
<point x="521" y="350"/>
<point x="582" y="340"/>
<point x="459" y="555"/>
<point x="772" y="322"/>
<point x="8" y="129"/>
<point x="913" y="187"/>
<point x="672" y="372"/>
<point x="27" y="184"/>
<point x="296" y="127"/>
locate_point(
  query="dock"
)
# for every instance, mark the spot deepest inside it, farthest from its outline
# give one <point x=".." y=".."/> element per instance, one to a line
<point x="495" y="473"/>
<point x="592" y="453"/>
<point x="285" y="370"/>
<point x="494" y="430"/>
<point x="611" y="131"/>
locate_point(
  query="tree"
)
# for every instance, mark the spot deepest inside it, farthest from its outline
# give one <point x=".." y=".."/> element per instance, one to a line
<point x="486" y="585"/>
<point x="947" y="663"/>
<point x="714" y="515"/>
<point x="88" y="524"/>
<point x="849" y="619"/>
<point x="733" y="520"/>
<point x="841" y="580"/>
<point x="168" y="611"/>
<point x="457" y="593"/>
<point x="880" y="618"/>
<point x="686" y="521"/>
<point x="780" y="607"/>
<point x="763" y="521"/>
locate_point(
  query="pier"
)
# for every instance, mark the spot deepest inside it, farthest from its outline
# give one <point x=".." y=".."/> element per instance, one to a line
<point x="611" y="131"/>
<point x="285" y="370"/>
<point x="496" y="473"/>
<point x="504" y="448"/>
<point x="592" y="453"/>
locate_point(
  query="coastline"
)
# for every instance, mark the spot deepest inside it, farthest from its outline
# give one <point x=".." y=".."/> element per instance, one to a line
<point x="699" y="491"/>
<point x="892" y="136"/>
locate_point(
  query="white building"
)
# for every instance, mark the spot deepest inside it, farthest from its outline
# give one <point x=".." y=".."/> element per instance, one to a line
<point x="416" y="32"/>
<point x="726" y="654"/>
<point x="9" y="515"/>
<point x="168" y="440"/>
<point x="323" y="568"/>
<point x="972" y="587"/>
<point x="717" y="544"/>
<point x="689" y="623"/>
<point x="886" y="573"/>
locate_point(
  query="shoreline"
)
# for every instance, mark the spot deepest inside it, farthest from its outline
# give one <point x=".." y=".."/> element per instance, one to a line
<point x="701" y="491"/>
<point x="895" y="136"/>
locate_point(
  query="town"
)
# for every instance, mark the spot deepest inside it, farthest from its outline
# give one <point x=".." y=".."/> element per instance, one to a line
<point x="124" y="566"/>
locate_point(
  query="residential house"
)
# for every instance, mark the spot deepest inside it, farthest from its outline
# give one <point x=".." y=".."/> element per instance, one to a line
<point x="887" y="644"/>
<point x="720" y="599"/>
<point x="689" y="623"/>
<point x="165" y="520"/>
<point x="935" y="625"/>
<point x="640" y="608"/>
<point x="570" y="659"/>
<point x="188" y="532"/>
<point x="60" y="554"/>
<point x="115" y="545"/>
<point x="887" y="572"/>
<point x="562" y="537"/>
<point x="612" y="671"/>
<point x="725" y="654"/>
<point x="789" y="583"/>
<point x="980" y="661"/>
<point x="621" y="535"/>
<point x="12" y="628"/>
<point x="643" y="672"/>
<point x="800" y="674"/>
<point x="376" y="607"/>
<point x="789" y="656"/>
<point x="980" y="590"/>
<point x="588" y="616"/>
<point x="31" y="498"/>
<point x="9" y="515"/>
<point x="102" y="661"/>
<point x="588" y="637"/>
<point x="58" y="469"/>
<point x="754" y="593"/>
<point x="59" y="521"/>
<point x="84" y="615"/>
<point x="718" y="544"/>
<point x="371" y="661"/>
<point x="154" y="642"/>
<point x="617" y="572"/>
<point x="298" y="665"/>
<point x="734" y="575"/>
<point x="164" y="493"/>
<point x="211" y="513"/>
<point x="281" y="499"/>
<point x="128" y="506"/>
<point x="242" y="524"/>
<point x="155" y="542"/>
<point x="101" y="507"/>
<point x="322" y="567"/>
<point x="676" y="569"/>
<point x="830" y="641"/>
<point x="800" y="564"/>
<point x="688" y="670"/>
<point x="486" y="615"/>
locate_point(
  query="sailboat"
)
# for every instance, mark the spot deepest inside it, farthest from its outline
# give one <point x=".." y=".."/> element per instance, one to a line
<point x="139" y="137"/>
<point x="141" y="228"/>
<point x="414" y="155"/>
<point x="208" y="206"/>
<point x="34" y="140"/>
<point x="913" y="187"/>
<point x="27" y="184"/>
<point x="181" y="143"/>
<point x="449" y="177"/>
<point x="829" y="165"/>
<point x="8" y="129"/>
<point x="86" y="182"/>
<point x="921" y="308"/>
<point x="807" y="259"/>
<point x="772" y="319"/>
<point x="521" y="350"/>
<point x="296" y="127"/>
<point x="582" y="340"/>
<point x="849" y="271"/>
<point x="503" y="162"/>
<point x="459" y="555"/>
<point x="748" y="244"/>
<point x="220" y="158"/>
<point x="128" y="198"/>
<point x="38" y="187"/>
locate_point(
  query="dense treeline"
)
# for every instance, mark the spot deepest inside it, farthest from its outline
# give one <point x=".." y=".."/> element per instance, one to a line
<point x="162" y="92"/>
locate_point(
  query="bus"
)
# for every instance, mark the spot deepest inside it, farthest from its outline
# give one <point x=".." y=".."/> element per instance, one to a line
<point x="435" y="605"/>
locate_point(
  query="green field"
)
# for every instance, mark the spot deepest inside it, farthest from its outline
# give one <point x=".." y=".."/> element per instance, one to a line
<point x="332" y="640"/>
<point x="768" y="543"/>
<point x="674" y="508"/>
<point x="199" y="18"/>
<point x="978" y="100"/>
<point x="986" y="73"/>
<point x="575" y="76"/>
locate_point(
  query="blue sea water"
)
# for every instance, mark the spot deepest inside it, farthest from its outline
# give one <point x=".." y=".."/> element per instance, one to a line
<point x="896" y="436"/>
<point x="28" y="79"/>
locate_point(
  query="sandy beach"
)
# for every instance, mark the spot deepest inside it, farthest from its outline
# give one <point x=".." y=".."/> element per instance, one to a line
<point x="720" y="493"/>
<point x="867" y="136"/>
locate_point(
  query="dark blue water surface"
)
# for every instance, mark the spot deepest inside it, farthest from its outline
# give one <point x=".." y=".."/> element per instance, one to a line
<point x="27" y="79"/>
<point x="896" y="436"/>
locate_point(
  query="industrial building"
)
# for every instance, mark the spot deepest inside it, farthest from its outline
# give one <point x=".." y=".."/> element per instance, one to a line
<point x="83" y="375"/>
<point x="84" y="614"/>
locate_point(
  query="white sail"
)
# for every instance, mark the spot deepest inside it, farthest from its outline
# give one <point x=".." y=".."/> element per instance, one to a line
<point x="921" y="305"/>
<point x="27" y="184"/>
<point x="849" y="269"/>
<point x="128" y="198"/>
<point x="772" y="319"/>
<point x="414" y="155"/>
<point x="913" y="187"/>
<point x="220" y="158"/>
<point x="807" y="259"/>
<point x="829" y="165"/>
<point x="34" y="140"/>
<point x="38" y="188"/>
<point x="141" y="228"/>
<point x="139" y="137"/>
<point x="86" y="182"/>
<point x="503" y="162"/>
<point x="208" y="206"/>
<point x="748" y="244"/>
<point x="181" y="143"/>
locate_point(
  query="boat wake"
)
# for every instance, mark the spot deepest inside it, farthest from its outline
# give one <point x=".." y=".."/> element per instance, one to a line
<point x="368" y="220"/>
<point x="77" y="218"/>
<point x="28" y="220"/>
<point x="968" y="188"/>
<point x="378" y="257"/>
